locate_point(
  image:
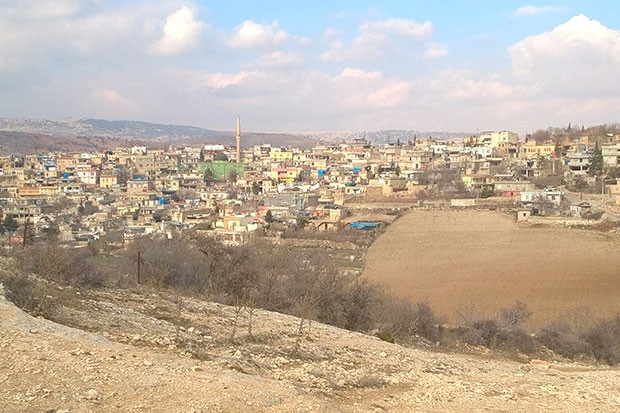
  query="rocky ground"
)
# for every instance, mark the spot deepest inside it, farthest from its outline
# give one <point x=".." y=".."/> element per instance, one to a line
<point x="146" y="352"/>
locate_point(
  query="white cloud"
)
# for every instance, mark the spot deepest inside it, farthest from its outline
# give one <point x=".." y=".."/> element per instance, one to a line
<point x="181" y="32"/>
<point x="359" y="89"/>
<point x="536" y="10"/>
<point x="352" y="73"/>
<point x="282" y="99"/>
<point x="278" y="59"/>
<point x="250" y="34"/>
<point x="580" y="57"/>
<point x="460" y="86"/>
<point x="105" y="34"/>
<point x="224" y="80"/>
<point x="41" y="10"/>
<point x="378" y="38"/>
<point x="108" y="97"/>
<point x="436" y="50"/>
<point x="400" y="27"/>
<point x="98" y="60"/>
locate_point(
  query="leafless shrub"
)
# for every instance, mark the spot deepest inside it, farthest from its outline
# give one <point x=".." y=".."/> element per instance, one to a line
<point x="483" y="333"/>
<point x="74" y="267"/>
<point x="604" y="341"/>
<point x="169" y="263"/>
<point x="467" y="315"/>
<point x="517" y="339"/>
<point x="250" y="310"/>
<point x="395" y="318"/>
<point x="29" y="294"/>
<point x="238" y="308"/>
<point x="516" y="315"/>
<point x="305" y="310"/>
<point x="560" y="338"/>
<point x="501" y="333"/>
<point x="427" y="323"/>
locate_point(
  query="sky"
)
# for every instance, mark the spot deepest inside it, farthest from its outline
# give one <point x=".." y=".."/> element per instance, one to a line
<point x="299" y="66"/>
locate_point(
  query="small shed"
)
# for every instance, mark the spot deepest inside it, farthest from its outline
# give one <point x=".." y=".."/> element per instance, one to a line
<point x="523" y="214"/>
<point x="580" y="209"/>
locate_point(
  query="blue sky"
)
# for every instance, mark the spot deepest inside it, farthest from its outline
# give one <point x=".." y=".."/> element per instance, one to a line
<point x="314" y="66"/>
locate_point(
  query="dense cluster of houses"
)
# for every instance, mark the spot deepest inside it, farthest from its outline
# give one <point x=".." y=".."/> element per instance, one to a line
<point x="116" y="195"/>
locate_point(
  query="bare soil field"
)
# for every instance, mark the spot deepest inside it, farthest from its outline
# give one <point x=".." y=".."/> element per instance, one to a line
<point x="478" y="262"/>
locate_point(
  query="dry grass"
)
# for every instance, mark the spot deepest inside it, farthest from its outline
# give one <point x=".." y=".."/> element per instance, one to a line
<point x="457" y="260"/>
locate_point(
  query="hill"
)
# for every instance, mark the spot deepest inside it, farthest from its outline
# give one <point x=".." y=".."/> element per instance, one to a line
<point x="13" y="143"/>
<point x="82" y="134"/>
<point x="27" y="135"/>
<point x="151" y="352"/>
<point x="99" y="127"/>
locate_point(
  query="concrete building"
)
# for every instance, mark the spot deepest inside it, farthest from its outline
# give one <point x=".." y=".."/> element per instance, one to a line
<point x="611" y="154"/>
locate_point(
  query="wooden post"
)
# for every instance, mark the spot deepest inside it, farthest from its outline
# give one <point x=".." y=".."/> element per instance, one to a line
<point x="139" y="268"/>
<point x="25" y="230"/>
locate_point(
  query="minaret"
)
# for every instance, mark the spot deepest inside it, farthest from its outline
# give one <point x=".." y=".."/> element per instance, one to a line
<point x="238" y="140"/>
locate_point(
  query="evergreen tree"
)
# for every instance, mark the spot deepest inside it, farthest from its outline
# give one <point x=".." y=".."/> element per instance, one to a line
<point x="596" y="162"/>
<point x="269" y="217"/>
<point x="9" y="224"/>
<point x="209" y="176"/>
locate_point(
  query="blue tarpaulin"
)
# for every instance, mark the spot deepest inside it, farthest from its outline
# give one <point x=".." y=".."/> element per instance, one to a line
<point x="364" y="224"/>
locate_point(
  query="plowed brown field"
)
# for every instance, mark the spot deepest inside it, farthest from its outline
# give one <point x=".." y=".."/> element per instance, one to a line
<point x="479" y="262"/>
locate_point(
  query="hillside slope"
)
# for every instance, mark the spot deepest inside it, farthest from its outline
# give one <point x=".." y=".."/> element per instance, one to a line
<point x="153" y="353"/>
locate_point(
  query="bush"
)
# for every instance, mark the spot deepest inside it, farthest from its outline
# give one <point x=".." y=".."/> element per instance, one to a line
<point x="484" y="333"/>
<point x="174" y="263"/>
<point x="385" y="336"/>
<point x="486" y="193"/>
<point x="604" y="340"/>
<point x="516" y="339"/>
<point x="396" y="317"/>
<point x="28" y="294"/>
<point x="470" y="335"/>
<point x="561" y="339"/>
<point x="427" y="323"/>
<point x="75" y="267"/>
<point x="515" y="315"/>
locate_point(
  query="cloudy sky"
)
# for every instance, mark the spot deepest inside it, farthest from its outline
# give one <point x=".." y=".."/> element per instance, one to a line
<point x="286" y="65"/>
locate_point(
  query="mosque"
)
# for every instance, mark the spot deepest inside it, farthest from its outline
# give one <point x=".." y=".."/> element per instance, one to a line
<point x="222" y="169"/>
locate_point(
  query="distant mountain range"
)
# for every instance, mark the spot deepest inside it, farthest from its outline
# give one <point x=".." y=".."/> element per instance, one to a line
<point x="19" y="135"/>
<point x="106" y="128"/>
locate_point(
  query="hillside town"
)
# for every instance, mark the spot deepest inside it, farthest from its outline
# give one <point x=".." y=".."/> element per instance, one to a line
<point x="233" y="192"/>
